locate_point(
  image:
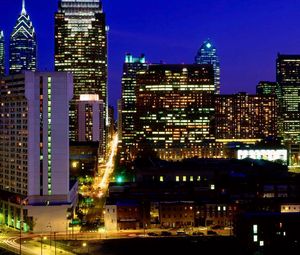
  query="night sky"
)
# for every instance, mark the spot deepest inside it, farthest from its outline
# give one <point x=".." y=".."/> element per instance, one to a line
<point x="248" y="34"/>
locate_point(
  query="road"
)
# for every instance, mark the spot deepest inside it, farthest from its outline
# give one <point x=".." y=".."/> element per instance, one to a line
<point x="31" y="244"/>
<point x="98" y="190"/>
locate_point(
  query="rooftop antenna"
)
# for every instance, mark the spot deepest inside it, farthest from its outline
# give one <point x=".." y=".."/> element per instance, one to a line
<point x="23" y="7"/>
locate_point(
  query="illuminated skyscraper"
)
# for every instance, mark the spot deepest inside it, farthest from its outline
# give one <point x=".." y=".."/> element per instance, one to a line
<point x="288" y="77"/>
<point x="90" y="119"/>
<point x="175" y="111"/>
<point x="207" y="54"/>
<point x="245" y="118"/>
<point x="22" y="48"/>
<point x="81" y="48"/>
<point x="131" y="66"/>
<point x="268" y="88"/>
<point x="2" y="54"/>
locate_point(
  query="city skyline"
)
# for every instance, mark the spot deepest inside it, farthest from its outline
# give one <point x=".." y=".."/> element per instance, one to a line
<point x="140" y="34"/>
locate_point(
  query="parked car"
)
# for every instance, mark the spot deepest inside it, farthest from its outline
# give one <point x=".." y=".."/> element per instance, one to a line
<point x="181" y="233"/>
<point x="212" y="233"/>
<point x="217" y="227"/>
<point x="198" y="233"/>
<point x="166" y="233"/>
<point x="152" y="234"/>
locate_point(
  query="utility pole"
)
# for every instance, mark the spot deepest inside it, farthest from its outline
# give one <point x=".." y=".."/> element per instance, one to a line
<point x="54" y="243"/>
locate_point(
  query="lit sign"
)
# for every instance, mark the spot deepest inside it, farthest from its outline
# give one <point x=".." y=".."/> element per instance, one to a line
<point x="89" y="97"/>
<point x="264" y="154"/>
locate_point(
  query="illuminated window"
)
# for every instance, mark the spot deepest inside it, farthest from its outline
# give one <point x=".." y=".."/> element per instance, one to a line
<point x="161" y="179"/>
<point x="184" y="178"/>
<point x="255" y="229"/>
<point x="255" y="238"/>
<point x="177" y="178"/>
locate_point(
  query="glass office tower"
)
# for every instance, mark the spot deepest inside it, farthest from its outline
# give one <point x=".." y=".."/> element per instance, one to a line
<point x="2" y="54"/>
<point x="81" y="48"/>
<point x="23" y="46"/>
<point x="288" y="77"/>
<point x="131" y="67"/>
<point x="175" y="111"/>
<point x="207" y="54"/>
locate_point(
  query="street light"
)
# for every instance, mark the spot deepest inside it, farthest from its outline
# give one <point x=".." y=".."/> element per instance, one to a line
<point x="42" y="238"/>
<point x="20" y="235"/>
<point x="50" y="227"/>
<point x="85" y="245"/>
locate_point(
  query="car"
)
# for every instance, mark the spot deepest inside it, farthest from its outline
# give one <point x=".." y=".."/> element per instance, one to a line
<point x="217" y="227"/>
<point x="152" y="234"/>
<point x="181" y="233"/>
<point x="198" y="233"/>
<point x="212" y="233"/>
<point x="166" y="233"/>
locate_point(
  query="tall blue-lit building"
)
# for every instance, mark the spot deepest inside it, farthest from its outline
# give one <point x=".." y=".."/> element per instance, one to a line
<point x="207" y="54"/>
<point x="2" y="55"/>
<point x="23" y="46"/>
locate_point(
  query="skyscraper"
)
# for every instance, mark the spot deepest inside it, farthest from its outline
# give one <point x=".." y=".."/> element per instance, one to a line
<point x="175" y="111"/>
<point x="131" y="67"/>
<point x="22" y="48"/>
<point x="288" y="77"/>
<point x="207" y="54"/>
<point x="81" y="48"/>
<point x="268" y="88"/>
<point x="2" y="54"/>
<point x="245" y="118"/>
<point x="34" y="150"/>
<point x="90" y="119"/>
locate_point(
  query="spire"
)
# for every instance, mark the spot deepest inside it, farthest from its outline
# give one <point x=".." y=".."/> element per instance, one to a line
<point x="23" y="7"/>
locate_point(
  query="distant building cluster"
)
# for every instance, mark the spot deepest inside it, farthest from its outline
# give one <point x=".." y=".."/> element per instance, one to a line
<point x="177" y="111"/>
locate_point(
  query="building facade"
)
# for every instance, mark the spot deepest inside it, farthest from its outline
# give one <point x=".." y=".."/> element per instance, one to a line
<point x="90" y="119"/>
<point x="34" y="149"/>
<point x="111" y="123"/>
<point x="2" y="54"/>
<point x="175" y="111"/>
<point x="23" y="45"/>
<point x="207" y="54"/>
<point x="268" y="88"/>
<point x="81" y="48"/>
<point x="288" y="78"/>
<point x="245" y="118"/>
<point x="131" y="67"/>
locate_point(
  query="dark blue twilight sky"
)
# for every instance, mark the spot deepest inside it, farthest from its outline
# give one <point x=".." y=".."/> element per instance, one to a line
<point x="247" y="33"/>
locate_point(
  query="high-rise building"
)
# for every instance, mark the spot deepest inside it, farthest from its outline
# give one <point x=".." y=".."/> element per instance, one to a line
<point x="207" y="54"/>
<point x="175" y="111"/>
<point x="90" y="119"/>
<point x="2" y="54"/>
<point x="34" y="151"/>
<point x="119" y="127"/>
<point x="288" y="77"/>
<point x="23" y="45"/>
<point x="81" y="48"/>
<point x="245" y="118"/>
<point x="131" y="67"/>
<point x="111" y="123"/>
<point x="268" y="88"/>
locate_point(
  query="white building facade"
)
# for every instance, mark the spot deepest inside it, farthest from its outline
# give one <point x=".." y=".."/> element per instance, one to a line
<point x="34" y="151"/>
